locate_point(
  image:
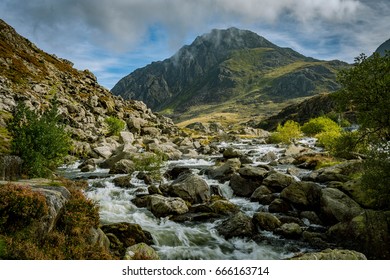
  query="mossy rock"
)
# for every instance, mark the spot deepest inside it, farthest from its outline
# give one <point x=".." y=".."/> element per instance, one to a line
<point x="224" y="207"/>
<point x="141" y="251"/>
<point x="368" y="198"/>
<point x="330" y="254"/>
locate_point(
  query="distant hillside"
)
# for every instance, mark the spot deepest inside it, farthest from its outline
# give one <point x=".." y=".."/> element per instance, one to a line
<point x="229" y="70"/>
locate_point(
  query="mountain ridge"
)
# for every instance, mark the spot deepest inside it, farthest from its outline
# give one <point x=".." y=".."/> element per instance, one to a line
<point x="228" y="66"/>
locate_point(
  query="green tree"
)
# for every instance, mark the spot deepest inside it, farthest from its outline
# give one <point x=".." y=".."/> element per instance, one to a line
<point x="366" y="91"/>
<point x="40" y="140"/>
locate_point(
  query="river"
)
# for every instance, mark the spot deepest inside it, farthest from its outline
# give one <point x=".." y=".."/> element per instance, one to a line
<point x="190" y="240"/>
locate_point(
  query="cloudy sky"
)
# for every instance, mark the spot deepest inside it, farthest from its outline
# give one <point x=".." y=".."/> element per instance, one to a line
<point x="114" y="37"/>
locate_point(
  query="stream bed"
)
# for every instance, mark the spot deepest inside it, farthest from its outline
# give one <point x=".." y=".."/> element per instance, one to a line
<point x="190" y="240"/>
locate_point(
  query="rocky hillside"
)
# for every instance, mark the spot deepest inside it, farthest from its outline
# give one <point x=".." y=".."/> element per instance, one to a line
<point x="30" y="75"/>
<point x="230" y="71"/>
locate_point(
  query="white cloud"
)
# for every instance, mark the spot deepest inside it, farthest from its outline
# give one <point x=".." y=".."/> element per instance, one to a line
<point x="95" y="34"/>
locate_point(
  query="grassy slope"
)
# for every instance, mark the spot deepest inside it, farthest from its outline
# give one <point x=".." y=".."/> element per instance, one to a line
<point x="251" y="75"/>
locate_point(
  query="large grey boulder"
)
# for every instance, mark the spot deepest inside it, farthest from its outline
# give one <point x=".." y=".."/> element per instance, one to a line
<point x="56" y="198"/>
<point x="190" y="187"/>
<point x="303" y="195"/>
<point x="336" y="206"/>
<point x="239" y="225"/>
<point x="225" y="171"/>
<point x="128" y="233"/>
<point x="277" y="181"/>
<point x="162" y="206"/>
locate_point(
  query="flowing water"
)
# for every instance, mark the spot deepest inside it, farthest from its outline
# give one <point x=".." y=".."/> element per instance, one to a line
<point x="189" y="240"/>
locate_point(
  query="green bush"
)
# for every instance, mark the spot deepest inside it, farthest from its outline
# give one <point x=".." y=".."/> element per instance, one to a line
<point x="287" y="133"/>
<point x="319" y="125"/>
<point x="115" y="125"/>
<point x="328" y="139"/>
<point x="39" y="140"/>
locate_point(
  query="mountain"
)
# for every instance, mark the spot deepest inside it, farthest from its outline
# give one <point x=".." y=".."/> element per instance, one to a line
<point x="29" y="75"/>
<point x="228" y="70"/>
<point x="383" y="47"/>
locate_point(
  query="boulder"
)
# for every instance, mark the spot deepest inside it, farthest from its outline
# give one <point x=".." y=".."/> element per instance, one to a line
<point x="303" y="195"/>
<point x="162" y="206"/>
<point x="190" y="187"/>
<point x="141" y="251"/>
<point x="225" y="171"/>
<point x="56" y="199"/>
<point x="124" y="166"/>
<point x="239" y="225"/>
<point x="174" y="173"/>
<point x="336" y="206"/>
<point x="244" y="186"/>
<point x="135" y="124"/>
<point x="224" y="207"/>
<point x="331" y="254"/>
<point x="254" y="172"/>
<point x="290" y="230"/>
<point x="128" y="234"/>
<point x="263" y="195"/>
<point x="150" y="131"/>
<point x="230" y="152"/>
<point x="266" y="221"/>
<point x="279" y="205"/>
<point x="340" y="172"/>
<point x="277" y="181"/>
<point x="123" y="182"/>
<point x="367" y="233"/>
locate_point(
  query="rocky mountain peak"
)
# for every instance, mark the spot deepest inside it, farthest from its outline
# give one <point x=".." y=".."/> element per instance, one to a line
<point x="385" y="46"/>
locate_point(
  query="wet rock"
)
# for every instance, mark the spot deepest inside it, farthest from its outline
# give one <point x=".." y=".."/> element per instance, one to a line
<point x="277" y="181"/>
<point x="123" y="182"/>
<point x="153" y="189"/>
<point x="224" y="207"/>
<point x="141" y="251"/>
<point x="225" y="171"/>
<point x="336" y="206"/>
<point x="279" y="205"/>
<point x="244" y="186"/>
<point x="331" y="254"/>
<point x="129" y="234"/>
<point x="290" y="230"/>
<point x="270" y="156"/>
<point x="162" y="206"/>
<point x="255" y="172"/>
<point x="145" y="177"/>
<point x="216" y="190"/>
<point x="263" y="195"/>
<point x="141" y="201"/>
<point x="190" y="187"/>
<point x="266" y="221"/>
<point x="239" y="225"/>
<point x="311" y="216"/>
<point x="232" y="153"/>
<point x="303" y="195"/>
<point x="174" y="173"/>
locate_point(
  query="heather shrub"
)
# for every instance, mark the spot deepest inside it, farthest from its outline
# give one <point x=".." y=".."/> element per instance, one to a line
<point x="19" y="207"/>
